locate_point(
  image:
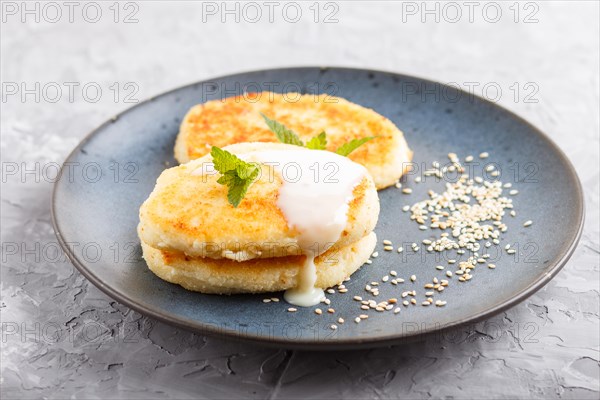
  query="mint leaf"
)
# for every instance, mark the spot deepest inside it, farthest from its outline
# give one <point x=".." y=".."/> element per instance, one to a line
<point x="284" y="134"/>
<point x="318" y="142"/>
<point x="352" y="145"/>
<point x="236" y="174"/>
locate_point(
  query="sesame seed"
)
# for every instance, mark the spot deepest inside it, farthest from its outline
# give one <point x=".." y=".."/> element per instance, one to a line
<point x="363" y="316"/>
<point x="388" y="248"/>
<point x="449" y="274"/>
<point x="484" y="155"/>
<point x="341" y="320"/>
<point x="491" y="266"/>
<point x="357" y="320"/>
<point x="333" y="327"/>
<point x="396" y="310"/>
<point x="513" y="192"/>
<point x="425" y="303"/>
<point x="418" y="179"/>
<point x="469" y="158"/>
<point x="342" y="290"/>
<point x="357" y="298"/>
<point x="330" y="291"/>
<point x="407" y="190"/>
<point x="393" y="273"/>
<point x="511" y="251"/>
<point x="266" y="300"/>
<point x="292" y="309"/>
<point x="405" y="302"/>
<point x="400" y="280"/>
<point x="387" y="242"/>
<point x="318" y="311"/>
<point x="369" y="262"/>
<point x="363" y="307"/>
<point x="413" y="278"/>
<point x="398" y="185"/>
<point x="513" y="213"/>
<point x="528" y="223"/>
<point x="413" y="301"/>
<point x="490" y="168"/>
<point x="400" y="249"/>
<point x="375" y="255"/>
<point x="405" y="208"/>
<point x="439" y="267"/>
<point x="385" y="278"/>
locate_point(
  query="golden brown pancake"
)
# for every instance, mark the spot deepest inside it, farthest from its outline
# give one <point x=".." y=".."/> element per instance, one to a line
<point x="237" y="119"/>
<point x="188" y="212"/>
<point x="208" y="275"/>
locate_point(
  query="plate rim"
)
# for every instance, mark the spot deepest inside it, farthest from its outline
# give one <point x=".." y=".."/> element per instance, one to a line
<point x="324" y="345"/>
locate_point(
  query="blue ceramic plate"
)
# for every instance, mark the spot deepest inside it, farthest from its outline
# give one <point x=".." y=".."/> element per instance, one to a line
<point x="96" y="202"/>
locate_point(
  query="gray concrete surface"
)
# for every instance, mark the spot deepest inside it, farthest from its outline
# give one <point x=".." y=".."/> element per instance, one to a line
<point x="63" y="338"/>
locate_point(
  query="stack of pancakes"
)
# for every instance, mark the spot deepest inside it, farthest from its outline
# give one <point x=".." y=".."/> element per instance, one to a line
<point x="193" y="237"/>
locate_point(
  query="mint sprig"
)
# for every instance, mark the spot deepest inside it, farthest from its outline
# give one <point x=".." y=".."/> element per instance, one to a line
<point x="319" y="142"/>
<point x="236" y="174"/>
<point x="352" y="145"/>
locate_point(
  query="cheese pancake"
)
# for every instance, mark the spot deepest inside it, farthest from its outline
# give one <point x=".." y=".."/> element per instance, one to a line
<point x="237" y="119"/>
<point x="208" y="275"/>
<point x="188" y="212"/>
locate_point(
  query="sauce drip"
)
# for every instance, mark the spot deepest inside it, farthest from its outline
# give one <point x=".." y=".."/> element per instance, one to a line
<point x="317" y="188"/>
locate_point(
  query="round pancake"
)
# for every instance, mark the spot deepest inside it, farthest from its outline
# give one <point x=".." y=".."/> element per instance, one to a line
<point x="259" y="275"/>
<point x="189" y="213"/>
<point x="237" y="119"/>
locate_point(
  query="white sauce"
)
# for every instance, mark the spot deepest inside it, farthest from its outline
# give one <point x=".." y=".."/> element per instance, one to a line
<point x="314" y="198"/>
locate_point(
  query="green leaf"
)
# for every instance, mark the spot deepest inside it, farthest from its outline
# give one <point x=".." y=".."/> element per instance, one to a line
<point x="236" y="174"/>
<point x="224" y="161"/>
<point x="284" y="134"/>
<point x="352" y="145"/>
<point x="318" y="142"/>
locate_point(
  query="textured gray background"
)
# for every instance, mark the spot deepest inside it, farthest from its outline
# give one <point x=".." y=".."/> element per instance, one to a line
<point x="63" y="338"/>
